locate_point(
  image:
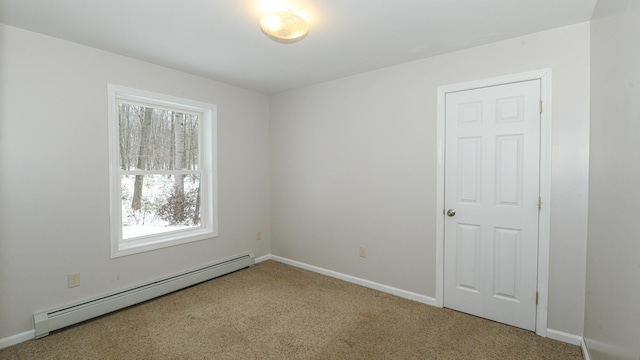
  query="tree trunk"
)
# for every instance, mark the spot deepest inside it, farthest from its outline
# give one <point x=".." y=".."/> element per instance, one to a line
<point x="179" y="122"/>
<point x="123" y="125"/>
<point x="196" y="214"/>
<point x="172" y="144"/>
<point x="145" y="131"/>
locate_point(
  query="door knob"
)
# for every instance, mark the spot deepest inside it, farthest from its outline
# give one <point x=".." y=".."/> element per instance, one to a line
<point x="451" y="212"/>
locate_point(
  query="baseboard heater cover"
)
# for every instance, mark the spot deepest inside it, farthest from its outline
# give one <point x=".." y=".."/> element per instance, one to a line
<point x="75" y="313"/>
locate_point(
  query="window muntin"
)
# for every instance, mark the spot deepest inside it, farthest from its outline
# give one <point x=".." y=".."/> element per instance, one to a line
<point x="162" y="171"/>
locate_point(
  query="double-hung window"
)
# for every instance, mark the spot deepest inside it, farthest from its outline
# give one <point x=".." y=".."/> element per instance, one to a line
<point x="163" y="170"/>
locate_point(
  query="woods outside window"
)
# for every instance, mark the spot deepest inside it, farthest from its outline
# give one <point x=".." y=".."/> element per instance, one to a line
<point x="163" y="174"/>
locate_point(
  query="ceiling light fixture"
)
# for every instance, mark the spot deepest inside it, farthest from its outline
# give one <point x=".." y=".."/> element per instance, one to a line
<point x="284" y="27"/>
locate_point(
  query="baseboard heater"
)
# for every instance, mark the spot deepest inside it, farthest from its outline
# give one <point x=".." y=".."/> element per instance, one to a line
<point x="72" y="314"/>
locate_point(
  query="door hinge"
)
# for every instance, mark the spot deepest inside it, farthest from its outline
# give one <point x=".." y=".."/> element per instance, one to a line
<point x="536" y="298"/>
<point x="539" y="203"/>
<point x="540" y="106"/>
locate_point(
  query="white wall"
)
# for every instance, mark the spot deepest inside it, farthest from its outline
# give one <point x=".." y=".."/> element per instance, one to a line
<point x="612" y="314"/>
<point x="353" y="164"/>
<point x="54" y="200"/>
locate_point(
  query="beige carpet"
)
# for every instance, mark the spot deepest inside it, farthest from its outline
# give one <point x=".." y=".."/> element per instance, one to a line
<point x="275" y="311"/>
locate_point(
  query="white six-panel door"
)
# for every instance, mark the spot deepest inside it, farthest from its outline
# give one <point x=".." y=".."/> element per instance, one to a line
<point x="492" y="166"/>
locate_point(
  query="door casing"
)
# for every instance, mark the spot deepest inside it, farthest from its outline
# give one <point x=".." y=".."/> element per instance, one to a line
<point x="545" y="184"/>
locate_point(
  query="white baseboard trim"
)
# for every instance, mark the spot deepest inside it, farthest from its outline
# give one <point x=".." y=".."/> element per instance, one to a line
<point x="263" y="258"/>
<point x="564" y="337"/>
<point x="17" y="339"/>
<point x="585" y="350"/>
<point x="352" y="279"/>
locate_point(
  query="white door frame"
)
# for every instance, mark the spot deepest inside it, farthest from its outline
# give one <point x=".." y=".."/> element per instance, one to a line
<point x="544" y="76"/>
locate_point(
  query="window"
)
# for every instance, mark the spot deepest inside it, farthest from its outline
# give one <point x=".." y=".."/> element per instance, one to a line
<point x="163" y="173"/>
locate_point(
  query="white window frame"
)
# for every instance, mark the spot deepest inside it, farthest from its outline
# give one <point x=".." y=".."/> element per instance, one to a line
<point x="208" y="183"/>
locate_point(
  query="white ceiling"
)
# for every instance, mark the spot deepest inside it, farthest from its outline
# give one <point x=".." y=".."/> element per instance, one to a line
<point x="221" y="39"/>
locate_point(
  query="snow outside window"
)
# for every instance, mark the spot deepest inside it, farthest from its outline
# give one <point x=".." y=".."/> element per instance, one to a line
<point x="163" y="171"/>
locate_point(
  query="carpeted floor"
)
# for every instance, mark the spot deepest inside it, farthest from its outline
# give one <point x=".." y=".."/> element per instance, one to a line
<point x="275" y="311"/>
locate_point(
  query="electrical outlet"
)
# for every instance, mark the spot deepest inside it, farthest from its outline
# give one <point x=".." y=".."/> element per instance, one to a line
<point x="73" y="279"/>
<point x="363" y="252"/>
<point x="259" y="235"/>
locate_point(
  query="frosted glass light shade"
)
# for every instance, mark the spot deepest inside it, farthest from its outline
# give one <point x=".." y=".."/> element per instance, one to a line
<point x="285" y="27"/>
